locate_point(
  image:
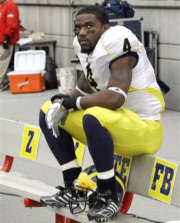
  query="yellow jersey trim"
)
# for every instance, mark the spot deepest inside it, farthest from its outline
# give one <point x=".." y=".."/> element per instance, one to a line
<point x="138" y="45"/>
<point x="45" y="106"/>
<point x="108" y="51"/>
<point x="153" y="91"/>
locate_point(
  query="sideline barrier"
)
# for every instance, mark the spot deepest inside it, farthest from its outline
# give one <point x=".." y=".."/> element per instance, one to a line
<point x="150" y="176"/>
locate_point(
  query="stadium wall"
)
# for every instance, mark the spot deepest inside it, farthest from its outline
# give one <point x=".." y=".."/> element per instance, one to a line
<point x="55" y="19"/>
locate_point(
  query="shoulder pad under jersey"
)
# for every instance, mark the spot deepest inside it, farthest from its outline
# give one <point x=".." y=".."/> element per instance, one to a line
<point x="117" y="41"/>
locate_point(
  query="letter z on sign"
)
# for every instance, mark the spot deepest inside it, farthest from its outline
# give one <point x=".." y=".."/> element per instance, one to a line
<point x="30" y="141"/>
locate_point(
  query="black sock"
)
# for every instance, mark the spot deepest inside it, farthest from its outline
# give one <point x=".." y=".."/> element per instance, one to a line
<point x="70" y="175"/>
<point x="108" y="184"/>
<point x="112" y="185"/>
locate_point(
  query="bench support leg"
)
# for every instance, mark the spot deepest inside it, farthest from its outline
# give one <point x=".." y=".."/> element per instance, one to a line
<point x="60" y="218"/>
<point x="7" y="164"/>
<point x="126" y="203"/>
<point x="28" y="203"/>
<point x="68" y="220"/>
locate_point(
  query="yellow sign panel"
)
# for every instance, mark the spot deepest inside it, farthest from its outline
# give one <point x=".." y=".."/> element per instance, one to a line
<point x="122" y="165"/>
<point x="79" y="151"/>
<point x="30" y="141"/>
<point x="162" y="180"/>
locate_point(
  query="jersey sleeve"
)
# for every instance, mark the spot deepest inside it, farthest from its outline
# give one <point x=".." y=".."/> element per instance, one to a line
<point x="120" y="41"/>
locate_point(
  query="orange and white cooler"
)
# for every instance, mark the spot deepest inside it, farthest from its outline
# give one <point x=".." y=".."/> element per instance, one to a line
<point x="28" y="74"/>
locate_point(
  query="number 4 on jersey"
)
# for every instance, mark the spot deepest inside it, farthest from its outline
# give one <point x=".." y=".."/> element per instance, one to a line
<point x="127" y="45"/>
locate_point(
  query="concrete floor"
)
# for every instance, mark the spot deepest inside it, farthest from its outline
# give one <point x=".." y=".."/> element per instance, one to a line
<point x="25" y="107"/>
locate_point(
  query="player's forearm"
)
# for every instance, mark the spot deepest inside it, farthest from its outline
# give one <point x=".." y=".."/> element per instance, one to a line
<point x="105" y="98"/>
<point x="75" y="93"/>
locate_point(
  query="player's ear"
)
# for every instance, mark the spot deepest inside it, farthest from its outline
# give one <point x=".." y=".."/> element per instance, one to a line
<point x="106" y="26"/>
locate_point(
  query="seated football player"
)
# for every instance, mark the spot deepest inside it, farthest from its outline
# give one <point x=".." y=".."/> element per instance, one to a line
<point x="115" y="108"/>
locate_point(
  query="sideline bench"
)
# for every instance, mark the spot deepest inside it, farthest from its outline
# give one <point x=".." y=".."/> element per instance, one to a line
<point x="149" y="176"/>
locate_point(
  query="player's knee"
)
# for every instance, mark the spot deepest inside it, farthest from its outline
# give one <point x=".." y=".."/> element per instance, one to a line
<point x="90" y="122"/>
<point x="95" y="112"/>
<point x="45" y="107"/>
<point x="87" y="120"/>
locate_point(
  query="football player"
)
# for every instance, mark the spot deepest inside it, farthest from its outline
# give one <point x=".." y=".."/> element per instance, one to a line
<point x="116" y="107"/>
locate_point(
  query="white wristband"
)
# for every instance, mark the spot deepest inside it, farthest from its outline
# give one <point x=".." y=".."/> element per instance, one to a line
<point x="78" y="105"/>
<point x="118" y="90"/>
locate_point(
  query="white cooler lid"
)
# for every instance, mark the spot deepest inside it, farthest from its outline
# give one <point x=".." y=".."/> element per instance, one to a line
<point x="30" y="60"/>
<point x="42" y="72"/>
